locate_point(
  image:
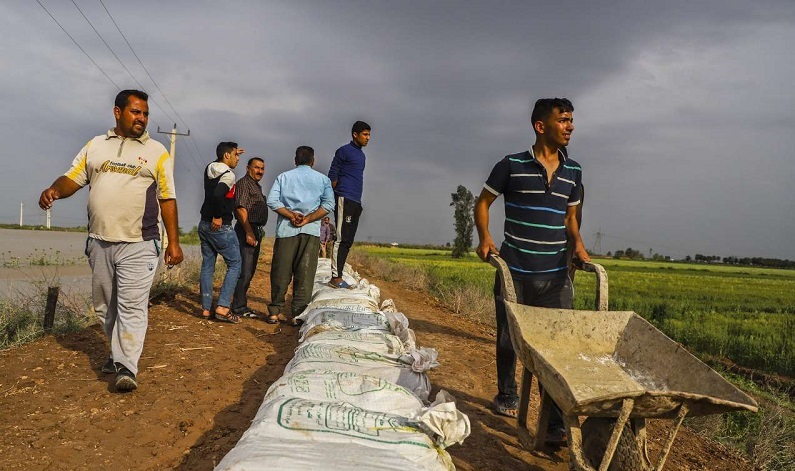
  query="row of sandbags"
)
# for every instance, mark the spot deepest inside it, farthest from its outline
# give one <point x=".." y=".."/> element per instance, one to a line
<point x="355" y="395"/>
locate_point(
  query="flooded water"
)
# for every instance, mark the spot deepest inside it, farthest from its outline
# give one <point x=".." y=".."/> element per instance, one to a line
<point x="30" y="259"/>
<point x="33" y="258"/>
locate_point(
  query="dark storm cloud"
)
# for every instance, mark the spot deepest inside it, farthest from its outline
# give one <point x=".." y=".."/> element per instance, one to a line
<point x="666" y="95"/>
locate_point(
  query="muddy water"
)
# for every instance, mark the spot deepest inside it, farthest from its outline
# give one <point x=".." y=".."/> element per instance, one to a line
<point x="29" y="259"/>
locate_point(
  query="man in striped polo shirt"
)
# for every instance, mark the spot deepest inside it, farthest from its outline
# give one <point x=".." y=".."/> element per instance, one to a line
<point x="542" y="188"/>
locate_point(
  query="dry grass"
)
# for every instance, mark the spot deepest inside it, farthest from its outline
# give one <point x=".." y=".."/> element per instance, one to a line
<point x="767" y="438"/>
<point x="459" y="298"/>
<point x="22" y="313"/>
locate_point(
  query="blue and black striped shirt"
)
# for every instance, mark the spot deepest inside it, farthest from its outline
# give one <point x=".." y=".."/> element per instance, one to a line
<point x="535" y="231"/>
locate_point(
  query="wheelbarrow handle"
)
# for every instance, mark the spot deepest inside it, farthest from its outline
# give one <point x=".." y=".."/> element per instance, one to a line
<point x="601" y="283"/>
<point x="509" y="293"/>
<point x="506" y="280"/>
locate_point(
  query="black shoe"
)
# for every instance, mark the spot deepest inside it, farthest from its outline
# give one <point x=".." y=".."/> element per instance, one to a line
<point x="109" y="367"/>
<point x="125" y="379"/>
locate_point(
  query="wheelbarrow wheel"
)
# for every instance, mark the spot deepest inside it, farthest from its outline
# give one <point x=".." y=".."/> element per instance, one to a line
<point x="596" y="433"/>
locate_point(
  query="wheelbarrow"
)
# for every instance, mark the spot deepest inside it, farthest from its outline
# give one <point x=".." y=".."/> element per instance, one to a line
<point x="614" y="369"/>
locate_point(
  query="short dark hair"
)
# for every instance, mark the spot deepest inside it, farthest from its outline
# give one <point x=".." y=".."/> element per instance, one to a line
<point x="223" y="148"/>
<point x="359" y="126"/>
<point x="254" y="159"/>
<point x="545" y="106"/>
<point x="304" y="155"/>
<point x="124" y="97"/>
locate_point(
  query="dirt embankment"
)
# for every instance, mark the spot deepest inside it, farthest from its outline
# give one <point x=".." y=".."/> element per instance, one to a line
<point x="201" y="383"/>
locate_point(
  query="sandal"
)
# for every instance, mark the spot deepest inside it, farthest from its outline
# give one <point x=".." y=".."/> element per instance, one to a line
<point x="509" y="407"/>
<point x="230" y="317"/>
<point x="272" y="319"/>
<point x="207" y="316"/>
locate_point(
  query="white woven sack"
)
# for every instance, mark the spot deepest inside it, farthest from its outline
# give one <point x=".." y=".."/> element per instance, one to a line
<point x="359" y="390"/>
<point x="368" y="296"/>
<point x="343" y="319"/>
<point x="378" y="342"/>
<point x="258" y="452"/>
<point x="398" y="370"/>
<point x="323" y="273"/>
<point x="304" y="434"/>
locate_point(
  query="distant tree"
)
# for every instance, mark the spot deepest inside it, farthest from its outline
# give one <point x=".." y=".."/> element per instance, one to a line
<point x="687" y="258"/>
<point x="633" y="254"/>
<point x="464" y="204"/>
<point x="609" y="254"/>
<point x="619" y="254"/>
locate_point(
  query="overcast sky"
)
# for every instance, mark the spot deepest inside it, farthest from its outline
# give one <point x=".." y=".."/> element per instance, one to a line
<point x="684" y="121"/>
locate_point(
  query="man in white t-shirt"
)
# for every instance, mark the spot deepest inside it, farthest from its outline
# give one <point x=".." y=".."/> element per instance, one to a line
<point x="131" y="186"/>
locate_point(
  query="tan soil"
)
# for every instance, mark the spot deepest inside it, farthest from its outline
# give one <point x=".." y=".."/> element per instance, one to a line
<point x="201" y="383"/>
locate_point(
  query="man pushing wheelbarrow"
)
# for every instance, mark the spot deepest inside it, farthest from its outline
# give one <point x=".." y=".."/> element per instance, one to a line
<point x="542" y="190"/>
<point x="601" y="365"/>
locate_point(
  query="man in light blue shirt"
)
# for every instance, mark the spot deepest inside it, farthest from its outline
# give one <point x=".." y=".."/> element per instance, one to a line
<point x="301" y="197"/>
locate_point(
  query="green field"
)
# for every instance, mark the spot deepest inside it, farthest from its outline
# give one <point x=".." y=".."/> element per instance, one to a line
<point x="742" y="313"/>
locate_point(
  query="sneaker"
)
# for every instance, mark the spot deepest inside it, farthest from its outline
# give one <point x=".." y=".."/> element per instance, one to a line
<point x="125" y="379"/>
<point x="109" y="367"/>
<point x="249" y="314"/>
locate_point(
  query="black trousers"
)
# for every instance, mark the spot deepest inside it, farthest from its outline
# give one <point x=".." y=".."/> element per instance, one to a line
<point x="558" y="293"/>
<point x="346" y="215"/>
<point x="249" y="256"/>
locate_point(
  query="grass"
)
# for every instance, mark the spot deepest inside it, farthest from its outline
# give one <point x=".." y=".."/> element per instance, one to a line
<point x="742" y="313"/>
<point x="767" y="438"/>
<point x="22" y="313"/>
<point x="745" y="314"/>
<point x="25" y="227"/>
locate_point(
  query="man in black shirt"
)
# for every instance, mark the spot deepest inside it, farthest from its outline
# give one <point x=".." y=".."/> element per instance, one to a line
<point x="252" y="214"/>
<point x="216" y="233"/>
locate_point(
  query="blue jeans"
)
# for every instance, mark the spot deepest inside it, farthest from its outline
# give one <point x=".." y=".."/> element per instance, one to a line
<point x="224" y="242"/>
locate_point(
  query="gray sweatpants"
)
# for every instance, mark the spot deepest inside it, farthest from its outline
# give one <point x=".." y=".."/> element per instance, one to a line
<point x="122" y="274"/>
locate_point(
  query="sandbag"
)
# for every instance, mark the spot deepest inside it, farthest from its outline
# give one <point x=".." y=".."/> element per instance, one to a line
<point x="306" y="434"/>
<point x="368" y="297"/>
<point x="299" y="453"/>
<point x="401" y="370"/>
<point x="359" y="390"/>
<point x="378" y="342"/>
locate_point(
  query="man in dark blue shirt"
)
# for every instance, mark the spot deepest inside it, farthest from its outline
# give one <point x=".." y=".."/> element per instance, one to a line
<point x="542" y="189"/>
<point x="347" y="179"/>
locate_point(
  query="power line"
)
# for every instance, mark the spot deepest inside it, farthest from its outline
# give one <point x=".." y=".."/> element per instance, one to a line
<point x="117" y="58"/>
<point x="193" y="158"/>
<point x="102" y="70"/>
<point x="78" y="46"/>
<point x="150" y="75"/>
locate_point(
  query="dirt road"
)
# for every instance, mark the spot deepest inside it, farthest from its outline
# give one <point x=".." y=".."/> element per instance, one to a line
<point x="201" y="383"/>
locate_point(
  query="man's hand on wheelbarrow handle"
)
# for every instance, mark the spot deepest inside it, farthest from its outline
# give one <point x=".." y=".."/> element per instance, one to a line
<point x="486" y="249"/>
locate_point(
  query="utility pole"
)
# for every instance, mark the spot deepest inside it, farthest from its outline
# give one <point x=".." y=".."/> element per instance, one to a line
<point x="597" y="245"/>
<point x="173" y="151"/>
<point x="173" y="133"/>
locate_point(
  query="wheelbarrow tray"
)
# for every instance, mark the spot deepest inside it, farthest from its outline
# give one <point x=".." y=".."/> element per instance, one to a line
<point x="590" y="361"/>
